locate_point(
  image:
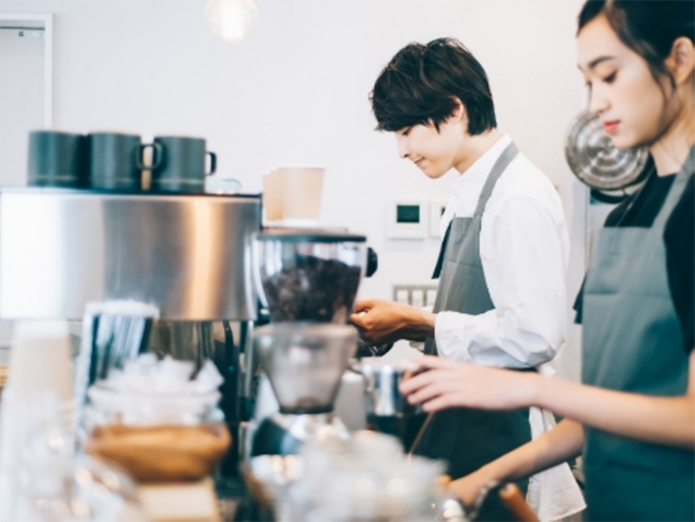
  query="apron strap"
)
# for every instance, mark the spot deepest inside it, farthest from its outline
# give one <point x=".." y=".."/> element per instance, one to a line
<point x="440" y="259"/>
<point x="674" y="194"/>
<point x="498" y="168"/>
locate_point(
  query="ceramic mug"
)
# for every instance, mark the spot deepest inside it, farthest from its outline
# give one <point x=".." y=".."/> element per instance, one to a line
<point x="116" y="160"/>
<point x="56" y="159"/>
<point x="181" y="164"/>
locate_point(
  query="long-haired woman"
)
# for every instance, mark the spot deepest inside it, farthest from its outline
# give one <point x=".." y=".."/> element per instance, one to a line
<point x="633" y="415"/>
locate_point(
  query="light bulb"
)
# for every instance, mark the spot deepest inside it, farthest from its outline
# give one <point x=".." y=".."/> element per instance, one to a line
<point x="231" y="21"/>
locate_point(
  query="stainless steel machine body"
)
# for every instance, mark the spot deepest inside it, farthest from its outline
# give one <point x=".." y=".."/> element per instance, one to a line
<point x="187" y="254"/>
<point x="190" y="255"/>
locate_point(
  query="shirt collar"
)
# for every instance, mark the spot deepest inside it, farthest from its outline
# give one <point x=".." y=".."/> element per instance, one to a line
<point x="473" y="179"/>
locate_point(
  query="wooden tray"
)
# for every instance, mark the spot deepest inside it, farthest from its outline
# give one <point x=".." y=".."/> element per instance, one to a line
<point x="161" y="453"/>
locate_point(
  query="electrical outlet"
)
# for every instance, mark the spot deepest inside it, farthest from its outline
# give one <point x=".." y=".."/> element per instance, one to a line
<point x="401" y="296"/>
<point x="415" y="295"/>
<point x="430" y="297"/>
<point x="417" y="298"/>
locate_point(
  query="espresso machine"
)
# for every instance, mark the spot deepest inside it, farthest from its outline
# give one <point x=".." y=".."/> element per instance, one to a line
<point x="188" y="255"/>
<point x="309" y="279"/>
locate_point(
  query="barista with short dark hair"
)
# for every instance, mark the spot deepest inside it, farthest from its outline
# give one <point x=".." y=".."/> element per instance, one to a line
<point x="501" y="297"/>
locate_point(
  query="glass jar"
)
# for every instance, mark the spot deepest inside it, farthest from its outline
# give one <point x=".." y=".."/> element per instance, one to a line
<point x="109" y="406"/>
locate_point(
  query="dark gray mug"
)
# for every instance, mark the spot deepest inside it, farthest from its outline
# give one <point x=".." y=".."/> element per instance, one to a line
<point x="56" y="159"/>
<point x="116" y="160"/>
<point x="181" y="164"/>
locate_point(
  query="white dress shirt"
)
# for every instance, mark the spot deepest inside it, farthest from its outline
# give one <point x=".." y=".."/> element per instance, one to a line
<point x="524" y="249"/>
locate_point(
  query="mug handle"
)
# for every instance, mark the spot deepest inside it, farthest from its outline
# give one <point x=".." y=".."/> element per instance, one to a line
<point x="157" y="154"/>
<point x="213" y="163"/>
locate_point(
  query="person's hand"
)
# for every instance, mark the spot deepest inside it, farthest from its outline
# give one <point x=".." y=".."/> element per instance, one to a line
<point x="448" y="384"/>
<point x="381" y="322"/>
<point x="467" y="488"/>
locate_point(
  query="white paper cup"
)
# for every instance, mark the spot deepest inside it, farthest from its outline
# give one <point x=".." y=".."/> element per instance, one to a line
<point x="272" y="196"/>
<point x="301" y="195"/>
<point x="40" y="359"/>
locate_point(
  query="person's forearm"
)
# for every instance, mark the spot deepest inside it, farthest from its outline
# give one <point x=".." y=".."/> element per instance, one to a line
<point x="662" y="420"/>
<point x="418" y="325"/>
<point x="380" y="321"/>
<point x="555" y="446"/>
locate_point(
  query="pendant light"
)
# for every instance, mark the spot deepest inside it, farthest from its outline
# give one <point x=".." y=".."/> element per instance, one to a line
<point x="231" y="21"/>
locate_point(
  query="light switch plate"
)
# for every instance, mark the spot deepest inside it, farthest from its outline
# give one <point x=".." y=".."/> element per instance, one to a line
<point x="437" y="208"/>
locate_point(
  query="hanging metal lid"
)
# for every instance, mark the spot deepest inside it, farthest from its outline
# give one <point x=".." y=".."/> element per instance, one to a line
<point x="596" y="161"/>
<point x="309" y="235"/>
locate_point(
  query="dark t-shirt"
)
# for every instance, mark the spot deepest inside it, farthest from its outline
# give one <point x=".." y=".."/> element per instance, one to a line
<point x="679" y="238"/>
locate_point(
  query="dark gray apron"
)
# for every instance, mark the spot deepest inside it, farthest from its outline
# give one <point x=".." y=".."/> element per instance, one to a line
<point x="468" y="438"/>
<point x="633" y="342"/>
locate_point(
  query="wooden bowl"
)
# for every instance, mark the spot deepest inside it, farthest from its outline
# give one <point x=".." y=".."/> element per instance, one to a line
<point x="163" y="452"/>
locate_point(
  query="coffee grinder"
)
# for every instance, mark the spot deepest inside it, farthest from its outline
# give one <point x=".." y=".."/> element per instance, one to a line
<point x="309" y="279"/>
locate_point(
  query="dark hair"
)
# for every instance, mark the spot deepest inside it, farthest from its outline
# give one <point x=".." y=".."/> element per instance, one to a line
<point x="420" y="85"/>
<point x="648" y="27"/>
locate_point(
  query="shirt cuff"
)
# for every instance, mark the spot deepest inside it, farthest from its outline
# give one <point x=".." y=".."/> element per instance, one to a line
<point x="452" y="343"/>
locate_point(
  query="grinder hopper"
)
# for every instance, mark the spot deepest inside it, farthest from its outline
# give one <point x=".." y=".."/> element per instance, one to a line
<point x="309" y="274"/>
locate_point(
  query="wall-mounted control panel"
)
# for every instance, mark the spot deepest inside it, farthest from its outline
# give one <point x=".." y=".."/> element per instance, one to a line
<point x="415" y="295"/>
<point x="408" y="218"/>
<point x="415" y="218"/>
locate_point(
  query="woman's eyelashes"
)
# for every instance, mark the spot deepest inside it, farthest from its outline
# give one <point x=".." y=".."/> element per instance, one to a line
<point x="606" y="79"/>
<point x="610" y="78"/>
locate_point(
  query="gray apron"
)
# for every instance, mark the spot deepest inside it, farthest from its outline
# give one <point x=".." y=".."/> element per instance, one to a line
<point x="633" y="343"/>
<point x="468" y="438"/>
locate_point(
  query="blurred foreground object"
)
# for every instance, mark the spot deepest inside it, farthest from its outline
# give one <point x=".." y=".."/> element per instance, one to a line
<point x="157" y="422"/>
<point x="178" y="501"/>
<point x="365" y="477"/>
<point x="161" y="453"/>
<point x="38" y="392"/>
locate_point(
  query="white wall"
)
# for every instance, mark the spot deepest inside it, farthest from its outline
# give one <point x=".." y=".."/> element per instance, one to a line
<point x="296" y="92"/>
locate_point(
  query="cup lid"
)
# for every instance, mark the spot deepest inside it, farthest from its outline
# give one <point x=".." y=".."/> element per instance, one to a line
<point x="313" y="235"/>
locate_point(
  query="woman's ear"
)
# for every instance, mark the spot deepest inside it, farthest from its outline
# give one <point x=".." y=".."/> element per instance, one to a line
<point x="681" y="61"/>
